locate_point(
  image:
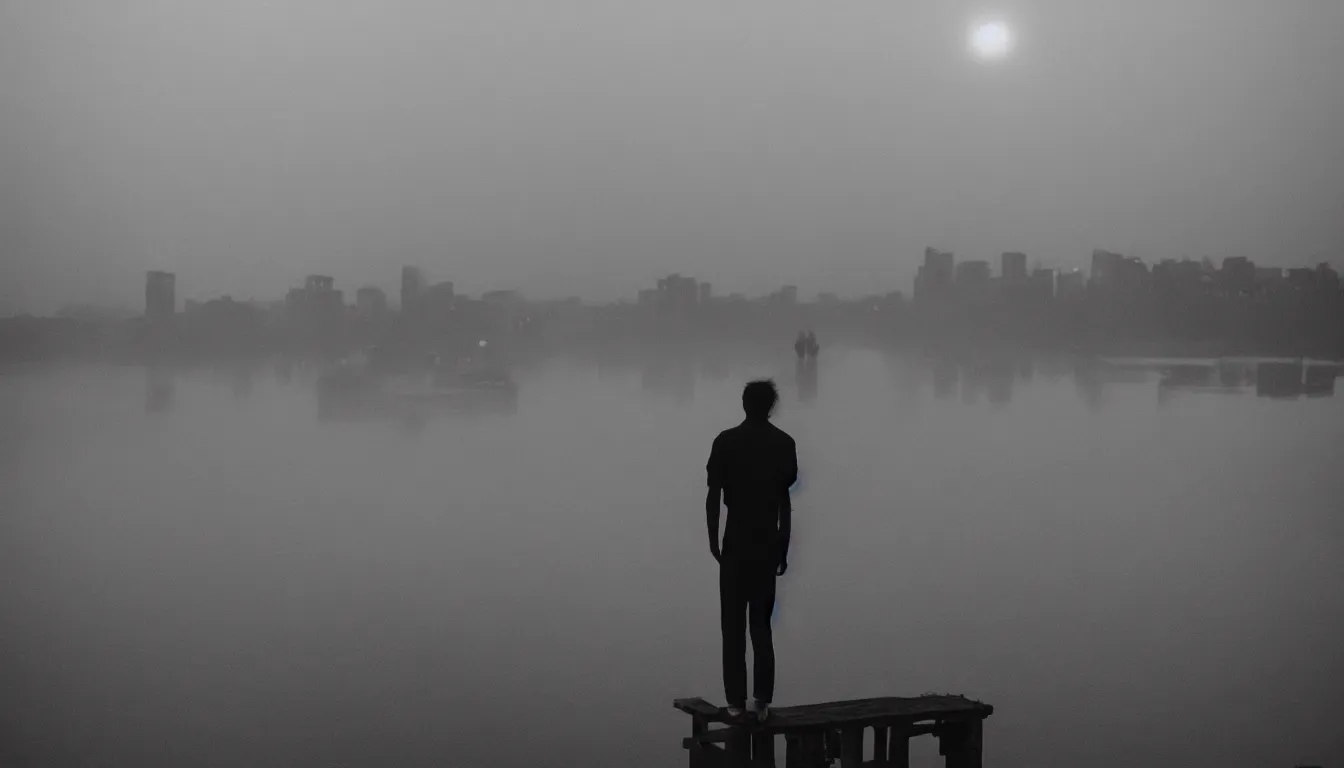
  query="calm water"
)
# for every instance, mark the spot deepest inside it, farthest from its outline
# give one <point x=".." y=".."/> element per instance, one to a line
<point x="220" y="579"/>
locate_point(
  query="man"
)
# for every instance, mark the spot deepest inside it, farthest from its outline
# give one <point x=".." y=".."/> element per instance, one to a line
<point x="752" y="466"/>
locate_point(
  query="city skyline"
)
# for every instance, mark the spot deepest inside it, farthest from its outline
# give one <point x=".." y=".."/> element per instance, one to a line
<point x="390" y="284"/>
<point x="590" y="147"/>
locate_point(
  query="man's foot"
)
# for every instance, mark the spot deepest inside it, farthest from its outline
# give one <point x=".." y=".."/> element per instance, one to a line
<point x="735" y="712"/>
<point x="761" y="709"/>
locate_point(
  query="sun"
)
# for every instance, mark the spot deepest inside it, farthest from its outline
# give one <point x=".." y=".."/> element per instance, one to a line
<point x="991" y="40"/>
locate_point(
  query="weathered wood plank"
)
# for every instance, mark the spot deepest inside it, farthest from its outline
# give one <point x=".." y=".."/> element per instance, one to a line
<point x="698" y="707"/>
<point x="715" y="736"/>
<point x="858" y="713"/>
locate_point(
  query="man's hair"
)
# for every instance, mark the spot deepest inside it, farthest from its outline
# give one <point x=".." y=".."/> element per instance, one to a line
<point x="759" y="398"/>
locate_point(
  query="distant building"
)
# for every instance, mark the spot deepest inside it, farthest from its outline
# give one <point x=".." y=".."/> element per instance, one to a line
<point x="1114" y="271"/>
<point x="1013" y="266"/>
<point x="1300" y="277"/>
<point x="677" y="293"/>
<point x="935" y="276"/>
<point x="972" y="274"/>
<point x="1105" y="267"/>
<point x="1043" y="283"/>
<point x="412" y="286"/>
<point x="504" y="308"/>
<point x="436" y="303"/>
<point x="706" y="293"/>
<point x="160" y="295"/>
<point x="1070" y="284"/>
<point x="1237" y="276"/>
<point x="502" y="297"/>
<point x="1268" y="275"/>
<point x="371" y="301"/>
<point x="1327" y="277"/>
<point x="1184" y="276"/>
<point x="317" y="306"/>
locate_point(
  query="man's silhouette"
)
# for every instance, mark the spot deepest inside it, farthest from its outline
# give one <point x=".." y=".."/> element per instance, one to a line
<point x="752" y="466"/>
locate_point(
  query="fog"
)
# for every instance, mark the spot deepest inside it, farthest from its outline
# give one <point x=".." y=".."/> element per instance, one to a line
<point x="582" y="147"/>
<point x="461" y="520"/>
<point x="1129" y="578"/>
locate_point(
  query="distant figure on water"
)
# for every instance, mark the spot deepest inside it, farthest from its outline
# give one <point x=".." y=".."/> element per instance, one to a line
<point x="752" y="466"/>
<point x="812" y="347"/>
<point x="800" y="346"/>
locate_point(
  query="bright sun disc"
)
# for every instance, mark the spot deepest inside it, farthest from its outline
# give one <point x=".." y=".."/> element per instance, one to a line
<point x="991" y="40"/>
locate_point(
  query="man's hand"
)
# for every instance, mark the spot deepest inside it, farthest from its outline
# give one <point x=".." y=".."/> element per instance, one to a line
<point x="714" y="550"/>
<point x="783" y="567"/>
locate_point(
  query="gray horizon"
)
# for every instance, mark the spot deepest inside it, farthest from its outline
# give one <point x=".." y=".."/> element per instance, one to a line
<point x="585" y="147"/>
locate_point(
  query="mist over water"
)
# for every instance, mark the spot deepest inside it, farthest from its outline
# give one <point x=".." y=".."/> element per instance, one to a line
<point x="196" y="570"/>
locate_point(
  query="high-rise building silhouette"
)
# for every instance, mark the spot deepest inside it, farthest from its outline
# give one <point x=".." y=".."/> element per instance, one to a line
<point x="972" y="273"/>
<point x="412" y="286"/>
<point x="371" y="301"/>
<point x="1043" y="283"/>
<point x="1070" y="284"/>
<point x="1105" y="266"/>
<point x="1013" y="266"/>
<point x="935" y="276"/>
<point x="317" y="307"/>
<point x="160" y="295"/>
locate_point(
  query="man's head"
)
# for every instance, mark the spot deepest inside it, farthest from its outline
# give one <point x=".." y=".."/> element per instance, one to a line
<point x="759" y="398"/>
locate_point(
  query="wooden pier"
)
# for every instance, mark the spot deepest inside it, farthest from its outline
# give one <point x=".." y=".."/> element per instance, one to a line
<point x="816" y="735"/>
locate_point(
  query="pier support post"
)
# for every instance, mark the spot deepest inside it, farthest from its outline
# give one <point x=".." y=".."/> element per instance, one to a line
<point x="698" y="728"/>
<point x="739" y="748"/>
<point x="806" y="750"/>
<point x="763" y="750"/>
<point x="961" y="744"/>
<point x="898" y="750"/>
<point x="851" y="748"/>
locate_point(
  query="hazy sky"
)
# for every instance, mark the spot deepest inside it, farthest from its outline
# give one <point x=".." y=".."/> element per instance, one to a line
<point x="586" y="146"/>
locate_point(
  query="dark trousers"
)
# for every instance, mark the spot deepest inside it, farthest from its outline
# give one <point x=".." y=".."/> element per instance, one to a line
<point x="747" y="599"/>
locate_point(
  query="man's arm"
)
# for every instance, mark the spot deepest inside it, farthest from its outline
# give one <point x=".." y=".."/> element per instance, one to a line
<point x="786" y="507"/>
<point x="712" y="521"/>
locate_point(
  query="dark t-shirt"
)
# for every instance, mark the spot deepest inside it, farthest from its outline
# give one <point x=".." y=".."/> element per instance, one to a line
<point x="755" y="463"/>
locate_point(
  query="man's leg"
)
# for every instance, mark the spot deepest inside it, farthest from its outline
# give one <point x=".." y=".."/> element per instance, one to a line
<point x="733" y="622"/>
<point x="762" y="608"/>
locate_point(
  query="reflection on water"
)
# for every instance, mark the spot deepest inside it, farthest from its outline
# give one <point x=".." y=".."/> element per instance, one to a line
<point x="158" y="390"/>
<point x="234" y="581"/>
<point x="805" y="377"/>
<point x="670" y="376"/>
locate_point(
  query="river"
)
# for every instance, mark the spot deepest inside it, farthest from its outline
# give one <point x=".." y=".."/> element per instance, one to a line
<point x="197" y="570"/>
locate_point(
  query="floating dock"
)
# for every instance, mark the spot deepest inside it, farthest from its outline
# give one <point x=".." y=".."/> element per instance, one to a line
<point x="816" y="735"/>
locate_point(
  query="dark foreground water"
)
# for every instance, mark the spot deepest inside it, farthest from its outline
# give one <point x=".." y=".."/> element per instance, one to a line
<point x="200" y="573"/>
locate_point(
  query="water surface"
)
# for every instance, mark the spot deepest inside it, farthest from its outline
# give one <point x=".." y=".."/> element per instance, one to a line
<point x="195" y="570"/>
